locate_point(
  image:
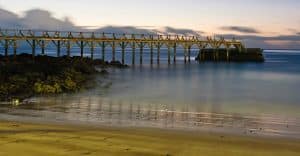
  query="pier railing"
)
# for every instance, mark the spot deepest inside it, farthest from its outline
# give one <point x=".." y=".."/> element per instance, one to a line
<point x="11" y="38"/>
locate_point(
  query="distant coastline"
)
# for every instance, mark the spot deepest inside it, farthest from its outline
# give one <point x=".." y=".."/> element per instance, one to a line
<point x="284" y="49"/>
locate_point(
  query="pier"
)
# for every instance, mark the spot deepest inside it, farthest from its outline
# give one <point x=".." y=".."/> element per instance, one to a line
<point x="12" y="39"/>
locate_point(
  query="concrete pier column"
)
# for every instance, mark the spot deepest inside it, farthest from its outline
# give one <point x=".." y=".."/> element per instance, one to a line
<point x="141" y="53"/>
<point x="81" y="49"/>
<point x="151" y="53"/>
<point x="15" y="48"/>
<point x="227" y="54"/>
<point x="58" y="48"/>
<point x="33" y="48"/>
<point x="214" y="55"/>
<point x="92" y="50"/>
<point x="185" y="54"/>
<point x="169" y="54"/>
<point x="123" y="52"/>
<point x="103" y="51"/>
<point x="43" y="47"/>
<point x="158" y="54"/>
<point x="6" y="48"/>
<point x="113" y="51"/>
<point x="189" y="53"/>
<point x="68" y="48"/>
<point x="217" y="54"/>
<point x="175" y="47"/>
<point x="202" y="55"/>
<point x="133" y="53"/>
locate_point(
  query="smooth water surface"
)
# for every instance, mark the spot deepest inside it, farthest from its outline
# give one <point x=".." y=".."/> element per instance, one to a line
<point x="256" y="96"/>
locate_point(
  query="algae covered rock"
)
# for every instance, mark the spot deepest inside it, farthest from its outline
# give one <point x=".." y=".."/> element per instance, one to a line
<point x="22" y="77"/>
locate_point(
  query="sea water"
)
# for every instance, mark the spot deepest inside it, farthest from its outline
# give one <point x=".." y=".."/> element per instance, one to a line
<point x="258" y="97"/>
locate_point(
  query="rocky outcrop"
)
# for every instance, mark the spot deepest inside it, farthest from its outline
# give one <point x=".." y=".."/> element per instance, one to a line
<point x="22" y="76"/>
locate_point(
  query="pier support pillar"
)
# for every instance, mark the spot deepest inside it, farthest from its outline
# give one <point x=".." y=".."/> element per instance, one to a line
<point x="133" y="53"/>
<point x="217" y="55"/>
<point x="169" y="54"/>
<point x="151" y="53"/>
<point x="202" y="54"/>
<point x="6" y="48"/>
<point x="158" y="54"/>
<point x="58" y="48"/>
<point x="92" y="50"/>
<point x="33" y="48"/>
<point x="141" y="52"/>
<point x="43" y="47"/>
<point x="113" y="51"/>
<point x="189" y="53"/>
<point x="15" y="48"/>
<point x="81" y="49"/>
<point x="68" y="48"/>
<point x="175" y="48"/>
<point x="214" y="55"/>
<point x="227" y="54"/>
<point x="103" y="51"/>
<point x="185" y="55"/>
<point x="123" y="52"/>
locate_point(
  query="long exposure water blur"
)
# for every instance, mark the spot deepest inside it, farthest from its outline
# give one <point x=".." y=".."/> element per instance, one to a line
<point x="256" y="98"/>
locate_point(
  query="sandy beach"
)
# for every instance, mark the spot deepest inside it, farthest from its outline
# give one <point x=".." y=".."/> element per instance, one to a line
<point x="24" y="138"/>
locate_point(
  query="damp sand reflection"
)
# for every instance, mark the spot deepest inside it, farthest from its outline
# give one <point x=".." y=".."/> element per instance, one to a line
<point x="121" y="113"/>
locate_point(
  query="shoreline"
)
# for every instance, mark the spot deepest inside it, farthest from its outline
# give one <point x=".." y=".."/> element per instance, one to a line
<point x="68" y="139"/>
<point x="267" y="132"/>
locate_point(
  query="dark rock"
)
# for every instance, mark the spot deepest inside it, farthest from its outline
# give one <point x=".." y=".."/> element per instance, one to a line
<point x="22" y="76"/>
<point x="104" y="72"/>
<point x="117" y="64"/>
<point x="99" y="62"/>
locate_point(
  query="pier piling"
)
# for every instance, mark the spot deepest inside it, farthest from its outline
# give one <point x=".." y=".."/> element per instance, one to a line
<point x="81" y="49"/>
<point x="151" y="53"/>
<point x="175" y="46"/>
<point x="123" y="52"/>
<point x="103" y="50"/>
<point x="33" y="47"/>
<point x="15" y="48"/>
<point x="58" y="48"/>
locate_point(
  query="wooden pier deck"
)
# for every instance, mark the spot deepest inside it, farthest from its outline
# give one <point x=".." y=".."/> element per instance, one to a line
<point x="11" y="39"/>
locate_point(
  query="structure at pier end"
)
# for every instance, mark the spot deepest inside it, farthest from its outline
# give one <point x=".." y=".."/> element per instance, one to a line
<point x="231" y="55"/>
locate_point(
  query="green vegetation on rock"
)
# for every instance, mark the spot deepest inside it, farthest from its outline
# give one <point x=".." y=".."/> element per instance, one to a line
<point x="23" y="77"/>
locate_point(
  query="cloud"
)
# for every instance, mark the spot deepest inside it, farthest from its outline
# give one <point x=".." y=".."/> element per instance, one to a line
<point x="34" y="19"/>
<point x="124" y="29"/>
<point x="240" y="29"/>
<point x="136" y="30"/>
<point x="273" y="42"/>
<point x="9" y="19"/>
<point x="43" y="20"/>
<point x="170" y="30"/>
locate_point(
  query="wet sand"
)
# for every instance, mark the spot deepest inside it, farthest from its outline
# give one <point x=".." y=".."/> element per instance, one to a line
<point x="24" y="138"/>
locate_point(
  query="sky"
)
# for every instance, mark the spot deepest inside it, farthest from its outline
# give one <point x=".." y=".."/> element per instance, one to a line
<point x="268" y="18"/>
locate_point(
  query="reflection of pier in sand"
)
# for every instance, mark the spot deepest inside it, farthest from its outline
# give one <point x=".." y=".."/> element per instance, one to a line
<point x="120" y="113"/>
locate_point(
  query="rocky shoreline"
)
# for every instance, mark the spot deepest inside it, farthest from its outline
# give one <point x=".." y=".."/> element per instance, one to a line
<point x="22" y="76"/>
